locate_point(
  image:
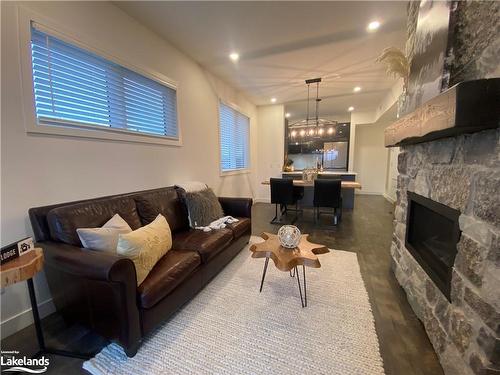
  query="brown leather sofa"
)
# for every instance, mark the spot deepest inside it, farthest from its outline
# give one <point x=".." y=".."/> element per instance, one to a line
<point x="100" y="290"/>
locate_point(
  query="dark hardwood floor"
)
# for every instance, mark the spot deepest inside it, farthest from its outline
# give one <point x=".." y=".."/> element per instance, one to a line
<point x="367" y="231"/>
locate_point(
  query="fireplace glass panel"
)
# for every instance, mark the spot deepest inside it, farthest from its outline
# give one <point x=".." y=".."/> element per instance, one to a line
<point x="432" y="236"/>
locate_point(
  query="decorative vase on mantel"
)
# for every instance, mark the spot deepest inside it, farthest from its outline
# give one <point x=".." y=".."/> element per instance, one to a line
<point x="401" y="105"/>
<point x="397" y="65"/>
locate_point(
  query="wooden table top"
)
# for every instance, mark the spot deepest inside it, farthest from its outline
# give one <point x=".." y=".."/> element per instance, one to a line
<point x="303" y="183"/>
<point x="22" y="268"/>
<point x="286" y="259"/>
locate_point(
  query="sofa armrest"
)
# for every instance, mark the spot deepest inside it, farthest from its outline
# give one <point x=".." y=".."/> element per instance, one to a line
<point x="89" y="264"/>
<point x="96" y="289"/>
<point x="237" y="207"/>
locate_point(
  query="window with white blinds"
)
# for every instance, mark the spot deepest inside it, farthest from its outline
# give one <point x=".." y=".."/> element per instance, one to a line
<point x="74" y="87"/>
<point x="234" y="139"/>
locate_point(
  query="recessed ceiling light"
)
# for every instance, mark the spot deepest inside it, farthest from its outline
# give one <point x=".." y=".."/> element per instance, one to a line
<point x="350" y="109"/>
<point x="287" y="115"/>
<point x="357" y="89"/>
<point x="374" y="25"/>
<point x="273" y="100"/>
<point x="234" y="56"/>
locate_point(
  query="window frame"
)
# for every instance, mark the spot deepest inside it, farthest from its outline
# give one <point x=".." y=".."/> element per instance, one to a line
<point x="67" y="128"/>
<point x="242" y="112"/>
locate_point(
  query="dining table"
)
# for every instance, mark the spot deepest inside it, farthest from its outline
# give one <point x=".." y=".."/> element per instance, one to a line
<point x="310" y="183"/>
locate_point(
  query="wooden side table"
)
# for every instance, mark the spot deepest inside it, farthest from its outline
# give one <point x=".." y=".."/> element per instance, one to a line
<point x="25" y="268"/>
<point x="286" y="260"/>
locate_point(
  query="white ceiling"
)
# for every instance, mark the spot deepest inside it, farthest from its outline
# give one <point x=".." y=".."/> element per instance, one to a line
<point x="283" y="43"/>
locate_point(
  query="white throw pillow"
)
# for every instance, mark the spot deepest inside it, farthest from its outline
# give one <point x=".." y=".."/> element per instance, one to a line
<point x="106" y="237"/>
<point x="146" y="245"/>
<point x="192" y="186"/>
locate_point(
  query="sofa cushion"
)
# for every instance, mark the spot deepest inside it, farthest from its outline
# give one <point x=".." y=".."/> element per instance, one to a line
<point x="166" y="202"/>
<point x="242" y="226"/>
<point x="207" y="244"/>
<point x="166" y="275"/>
<point x="63" y="221"/>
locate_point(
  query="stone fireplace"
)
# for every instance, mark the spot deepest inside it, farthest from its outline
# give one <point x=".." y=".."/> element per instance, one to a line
<point x="446" y="247"/>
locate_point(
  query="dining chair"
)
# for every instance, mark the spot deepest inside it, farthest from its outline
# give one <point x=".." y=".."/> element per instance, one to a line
<point x="328" y="193"/>
<point x="283" y="193"/>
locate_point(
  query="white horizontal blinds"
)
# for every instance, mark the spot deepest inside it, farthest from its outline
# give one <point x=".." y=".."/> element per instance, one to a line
<point x="227" y="124"/>
<point x="75" y="87"/>
<point x="241" y="141"/>
<point x="69" y="84"/>
<point x="150" y="107"/>
<point x="234" y="139"/>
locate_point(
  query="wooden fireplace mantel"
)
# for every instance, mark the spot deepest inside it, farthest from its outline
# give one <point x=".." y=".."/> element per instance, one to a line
<point x="467" y="107"/>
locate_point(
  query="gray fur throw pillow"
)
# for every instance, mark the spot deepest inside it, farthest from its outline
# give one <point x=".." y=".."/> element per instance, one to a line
<point x="203" y="208"/>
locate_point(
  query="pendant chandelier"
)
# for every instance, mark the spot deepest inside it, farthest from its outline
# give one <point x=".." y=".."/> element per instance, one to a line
<point x="312" y="126"/>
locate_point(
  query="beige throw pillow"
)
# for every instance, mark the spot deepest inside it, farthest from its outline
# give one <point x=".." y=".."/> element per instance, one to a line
<point x="146" y="245"/>
<point x="104" y="238"/>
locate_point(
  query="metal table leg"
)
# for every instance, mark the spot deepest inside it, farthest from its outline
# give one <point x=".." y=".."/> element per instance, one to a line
<point x="305" y="286"/>
<point x="36" y="315"/>
<point x="264" y="274"/>
<point x="300" y="288"/>
<point x="39" y="333"/>
<point x="303" y="300"/>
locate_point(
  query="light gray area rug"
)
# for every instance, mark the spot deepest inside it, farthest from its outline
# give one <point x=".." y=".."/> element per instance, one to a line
<point x="231" y="328"/>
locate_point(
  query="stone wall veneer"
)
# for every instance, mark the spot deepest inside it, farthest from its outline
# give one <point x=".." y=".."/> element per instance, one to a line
<point x="464" y="173"/>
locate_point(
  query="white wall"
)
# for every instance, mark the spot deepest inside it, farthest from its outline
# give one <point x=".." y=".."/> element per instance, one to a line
<point x="384" y="109"/>
<point x="357" y="118"/>
<point x="40" y="170"/>
<point x="392" y="175"/>
<point x="371" y="158"/>
<point x="270" y="139"/>
<point x="390" y="99"/>
<point x="375" y="164"/>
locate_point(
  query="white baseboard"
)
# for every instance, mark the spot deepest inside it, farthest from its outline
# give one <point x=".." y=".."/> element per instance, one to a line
<point x="362" y="192"/>
<point x="390" y="199"/>
<point x="262" y="200"/>
<point x="25" y="318"/>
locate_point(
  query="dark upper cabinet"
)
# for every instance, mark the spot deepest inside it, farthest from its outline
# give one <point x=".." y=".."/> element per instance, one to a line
<point x="294" y="149"/>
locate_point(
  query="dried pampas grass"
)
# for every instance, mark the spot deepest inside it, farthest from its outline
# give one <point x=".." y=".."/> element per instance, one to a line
<point x="396" y="63"/>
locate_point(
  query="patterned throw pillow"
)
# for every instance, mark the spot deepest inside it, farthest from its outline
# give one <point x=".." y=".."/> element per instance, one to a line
<point x="203" y="208"/>
<point x="146" y="246"/>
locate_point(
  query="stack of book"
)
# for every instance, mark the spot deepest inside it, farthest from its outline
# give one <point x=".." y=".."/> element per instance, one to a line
<point x="16" y="249"/>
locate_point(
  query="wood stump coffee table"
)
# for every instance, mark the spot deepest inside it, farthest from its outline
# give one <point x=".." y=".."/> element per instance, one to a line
<point x="288" y="259"/>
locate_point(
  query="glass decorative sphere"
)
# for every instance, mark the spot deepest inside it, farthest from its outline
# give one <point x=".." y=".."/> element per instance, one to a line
<point x="289" y="236"/>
